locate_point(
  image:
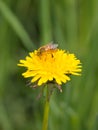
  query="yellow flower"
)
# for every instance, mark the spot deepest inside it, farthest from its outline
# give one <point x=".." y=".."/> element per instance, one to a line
<point x="52" y="65"/>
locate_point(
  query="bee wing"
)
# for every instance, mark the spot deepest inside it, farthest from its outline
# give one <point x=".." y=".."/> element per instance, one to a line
<point x="50" y="43"/>
<point x="53" y="45"/>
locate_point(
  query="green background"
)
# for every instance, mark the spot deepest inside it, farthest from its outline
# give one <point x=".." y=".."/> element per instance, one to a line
<point x="25" y="25"/>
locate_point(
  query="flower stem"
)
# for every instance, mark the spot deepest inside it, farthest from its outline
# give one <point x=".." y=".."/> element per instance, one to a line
<point x="46" y="111"/>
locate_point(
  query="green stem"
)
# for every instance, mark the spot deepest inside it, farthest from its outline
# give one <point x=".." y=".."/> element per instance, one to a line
<point x="46" y="111"/>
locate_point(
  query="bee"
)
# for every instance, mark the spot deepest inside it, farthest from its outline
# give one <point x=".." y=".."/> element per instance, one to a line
<point x="47" y="47"/>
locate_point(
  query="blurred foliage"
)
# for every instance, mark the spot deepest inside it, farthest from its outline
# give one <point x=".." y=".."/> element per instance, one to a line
<point x="24" y="26"/>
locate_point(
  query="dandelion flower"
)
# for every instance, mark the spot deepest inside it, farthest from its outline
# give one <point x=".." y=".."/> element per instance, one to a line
<point x="50" y="65"/>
